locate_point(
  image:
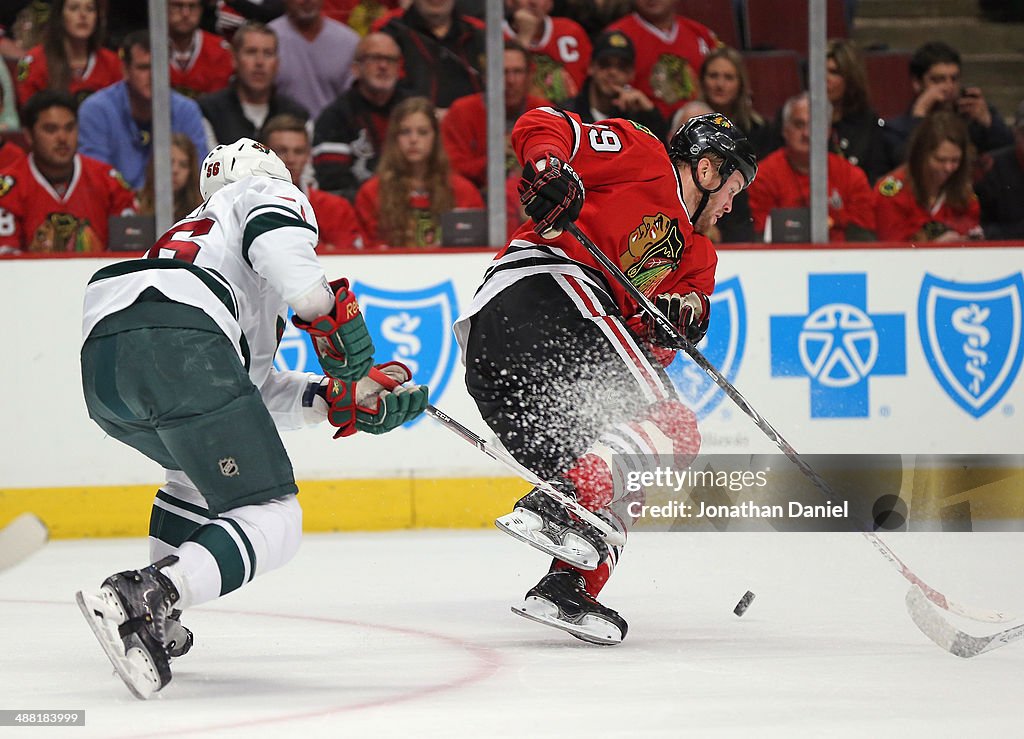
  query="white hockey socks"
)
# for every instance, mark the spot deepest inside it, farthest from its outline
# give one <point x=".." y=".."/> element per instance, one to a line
<point x="229" y="551"/>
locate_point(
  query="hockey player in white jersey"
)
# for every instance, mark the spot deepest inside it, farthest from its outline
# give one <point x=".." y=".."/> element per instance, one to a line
<point x="177" y="362"/>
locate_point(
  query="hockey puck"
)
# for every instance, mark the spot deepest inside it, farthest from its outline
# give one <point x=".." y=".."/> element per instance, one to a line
<point x="744" y="604"/>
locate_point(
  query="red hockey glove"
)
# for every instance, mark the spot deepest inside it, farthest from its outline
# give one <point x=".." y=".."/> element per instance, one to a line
<point x="341" y="340"/>
<point x="552" y="194"/>
<point x="689" y="313"/>
<point x="638" y="325"/>
<point x="368" y="406"/>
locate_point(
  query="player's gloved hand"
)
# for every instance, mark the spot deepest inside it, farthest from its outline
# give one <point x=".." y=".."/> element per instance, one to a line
<point x="368" y="406"/>
<point x="690" y="313"/>
<point x="552" y="194"/>
<point x="341" y="339"/>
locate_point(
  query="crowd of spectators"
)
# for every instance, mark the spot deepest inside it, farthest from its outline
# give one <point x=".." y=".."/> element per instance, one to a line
<point x="378" y="109"/>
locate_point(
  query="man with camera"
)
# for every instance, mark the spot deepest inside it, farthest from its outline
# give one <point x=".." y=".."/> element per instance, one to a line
<point x="935" y="71"/>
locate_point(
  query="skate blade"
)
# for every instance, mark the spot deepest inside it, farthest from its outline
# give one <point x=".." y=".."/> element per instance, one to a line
<point x="593" y="630"/>
<point x="136" y="668"/>
<point x="514" y="525"/>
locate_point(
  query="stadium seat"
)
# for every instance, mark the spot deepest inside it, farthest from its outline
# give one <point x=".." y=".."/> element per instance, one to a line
<point x="889" y="86"/>
<point x="782" y="24"/>
<point x="718" y="15"/>
<point x="775" y="76"/>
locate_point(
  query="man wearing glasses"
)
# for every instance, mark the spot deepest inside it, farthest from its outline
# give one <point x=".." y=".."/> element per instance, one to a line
<point x="349" y="134"/>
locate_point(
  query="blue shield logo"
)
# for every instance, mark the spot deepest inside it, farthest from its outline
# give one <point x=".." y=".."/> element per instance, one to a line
<point x="971" y="334"/>
<point x="723" y="346"/>
<point x="413" y="327"/>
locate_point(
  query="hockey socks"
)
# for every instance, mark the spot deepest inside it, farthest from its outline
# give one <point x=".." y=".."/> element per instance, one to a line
<point x="229" y="551"/>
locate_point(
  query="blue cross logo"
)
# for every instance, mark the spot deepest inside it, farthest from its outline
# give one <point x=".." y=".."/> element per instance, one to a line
<point x="838" y="345"/>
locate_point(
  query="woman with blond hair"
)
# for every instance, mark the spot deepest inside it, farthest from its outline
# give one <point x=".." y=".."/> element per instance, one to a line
<point x="401" y="205"/>
<point x="725" y="87"/>
<point x="930" y="198"/>
<point x="184" y="180"/>
<point x="71" y="57"/>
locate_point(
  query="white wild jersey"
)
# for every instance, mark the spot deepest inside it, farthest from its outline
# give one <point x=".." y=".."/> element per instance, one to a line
<point x="241" y="258"/>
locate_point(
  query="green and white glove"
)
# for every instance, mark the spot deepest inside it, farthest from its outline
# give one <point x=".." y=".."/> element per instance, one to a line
<point x="369" y="406"/>
<point x="341" y="339"/>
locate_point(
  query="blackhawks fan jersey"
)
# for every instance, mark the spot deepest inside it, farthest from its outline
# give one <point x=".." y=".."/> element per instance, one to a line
<point x="207" y="69"/>
<point x="35" y="218"/>
<point x="240" y="257"/>
<point x="103" y="68"/>
<point x="633" y="211"/>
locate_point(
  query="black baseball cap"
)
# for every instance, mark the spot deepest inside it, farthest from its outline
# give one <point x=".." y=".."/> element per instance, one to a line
<point x="614" y="43"/>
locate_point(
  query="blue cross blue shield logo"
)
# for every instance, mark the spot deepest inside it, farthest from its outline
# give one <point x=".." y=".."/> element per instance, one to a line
<point x="971" y="334"/>
<point x="838" y="345"/>
<point x="413" y="327"/>
<point x="723" y="346"/>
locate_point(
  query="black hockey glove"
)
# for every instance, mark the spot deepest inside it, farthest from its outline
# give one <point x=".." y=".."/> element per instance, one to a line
<point x="689" y="313"/>
<point x="552" y="194"/>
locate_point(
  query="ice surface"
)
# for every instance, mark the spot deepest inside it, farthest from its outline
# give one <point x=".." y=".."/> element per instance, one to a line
<point x="408" y="634"/>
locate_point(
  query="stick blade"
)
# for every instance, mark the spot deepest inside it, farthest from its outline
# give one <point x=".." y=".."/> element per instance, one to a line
<point x="22" y="537"/>
<point x="953" y="640"/>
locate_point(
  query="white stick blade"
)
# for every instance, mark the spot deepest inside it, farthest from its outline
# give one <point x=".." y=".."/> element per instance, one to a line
<point x="20" y="538"/>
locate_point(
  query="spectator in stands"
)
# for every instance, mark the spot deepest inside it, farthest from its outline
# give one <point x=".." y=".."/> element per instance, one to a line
<point x="783" y="181"/>
<point x="930" y="197"/>
<point x="857" y="132"/>
<point x="200" y="61"/>
<point x="935" y="75"/>
<point x="670" y="49"/>
<point x="594" y="15"/>
<point x="608" y="90"/>
<point x="55" y="199"/>
<point x="401" y="205"/>
<point x="116" y="122"/>
<point x="443" y="52"/>
<point x="8" y="103"/>
<point x="1001" y="189"/>
<point x="559" y="46"/>
<point x="184" y="180"/>
<point x="725" y="86"/>
<point x="349" y="133"/>
<point x="316" y="55"/>
<point x="464" y="129"/>
<point x="336" y="220"/>
<point x="229" y="15"/>
<point x="241" y="108"/>
<point x="71" y="56"/>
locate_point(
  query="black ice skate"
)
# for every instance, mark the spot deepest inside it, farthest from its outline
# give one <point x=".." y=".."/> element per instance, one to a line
<point x="560" y="600"/>
<point x="178" y="639"/>
<point x="128" y="615"/>
<point x="544" y="523"/>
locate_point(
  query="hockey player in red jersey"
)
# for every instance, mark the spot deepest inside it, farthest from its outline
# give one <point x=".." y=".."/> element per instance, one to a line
<point x="562" y="367"/>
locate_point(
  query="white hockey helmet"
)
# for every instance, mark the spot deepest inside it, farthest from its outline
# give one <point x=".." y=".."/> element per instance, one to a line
<point x="229" y="163"/>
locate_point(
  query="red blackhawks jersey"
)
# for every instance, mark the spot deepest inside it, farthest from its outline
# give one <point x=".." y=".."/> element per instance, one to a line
<point x="668" y="63"/>
<point x="900" y="216"/>
<point x="778" y="185"/>
<point x="208" y="69"/>
<point x="633" y="211"/>
<point x="560" y="59"/>
<point x="36" y="219"/>
<point x="339" y="227"/>
<point x="102" y="69"/>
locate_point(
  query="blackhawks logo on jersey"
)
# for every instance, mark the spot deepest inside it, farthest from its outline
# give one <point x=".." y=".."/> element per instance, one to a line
<point x="655" y="247"/>
<point x="890" y="187"/>
<point x="672" y="80"/>
<point x="24" y="64"/>
<point x="6" y="184"/>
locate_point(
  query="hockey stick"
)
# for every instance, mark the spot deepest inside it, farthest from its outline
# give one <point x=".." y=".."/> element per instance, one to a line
<point x="669" y="328"/>
<point x="952" y="639"/>
<point x="20" y="538"/>
<point x="612" y="536"/>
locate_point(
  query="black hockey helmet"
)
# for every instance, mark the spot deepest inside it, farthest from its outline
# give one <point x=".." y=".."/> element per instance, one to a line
<point x="713" y="133"/>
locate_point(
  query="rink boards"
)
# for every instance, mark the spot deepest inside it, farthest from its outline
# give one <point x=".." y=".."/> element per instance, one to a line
<point x="909" y="351"/>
